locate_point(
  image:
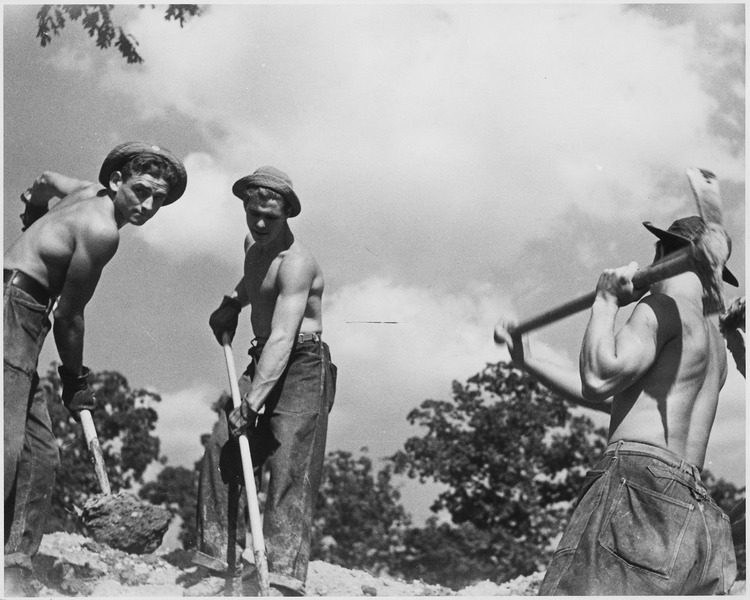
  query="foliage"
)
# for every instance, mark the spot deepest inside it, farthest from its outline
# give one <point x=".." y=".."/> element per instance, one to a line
<point x="358" y="520"/>
<point x="731" y="500"/>
<point x="124" y="420"/>
<point x="504" y="446"/>
<point x="96" y="19"/>
<point x="176" y="488"/>
<point x="454" y="556"/>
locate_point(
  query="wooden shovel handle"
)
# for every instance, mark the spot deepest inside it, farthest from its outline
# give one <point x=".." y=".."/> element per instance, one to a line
<point x="671" y="265"/>
<point x="92" y="441"/>
<point x="253" y="508"/>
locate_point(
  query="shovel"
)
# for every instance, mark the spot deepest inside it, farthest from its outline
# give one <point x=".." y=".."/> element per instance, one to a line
<point x="256" y="525"/>
<point x="92" y="441"/>
<point x="121" y="521"/>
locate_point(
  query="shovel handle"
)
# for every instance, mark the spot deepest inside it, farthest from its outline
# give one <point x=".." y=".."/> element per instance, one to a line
<point x="671" y="265"/>
<point x="92" y="441"/>
<point x="253" y="509"/>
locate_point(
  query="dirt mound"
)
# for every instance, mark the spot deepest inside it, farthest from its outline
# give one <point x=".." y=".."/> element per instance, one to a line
<point x="74" y="565"/>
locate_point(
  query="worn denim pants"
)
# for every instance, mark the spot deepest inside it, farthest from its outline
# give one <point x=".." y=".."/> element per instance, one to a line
<point x="31" y="454"/>
<point x="221" y="510"/>
<point x="292" y="434"/>
<point x="644" y="525"/>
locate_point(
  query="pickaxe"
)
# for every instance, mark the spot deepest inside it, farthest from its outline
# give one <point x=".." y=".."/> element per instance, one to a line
<point x="706" y="256"/>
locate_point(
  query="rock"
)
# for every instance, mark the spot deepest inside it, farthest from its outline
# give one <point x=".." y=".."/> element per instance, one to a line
<point x="124" y="522"/>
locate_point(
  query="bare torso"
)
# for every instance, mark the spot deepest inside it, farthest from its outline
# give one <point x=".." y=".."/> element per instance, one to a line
<point x="45" y="250"/>
<point x="263" y="281"/>
<point x="673" y="405"/>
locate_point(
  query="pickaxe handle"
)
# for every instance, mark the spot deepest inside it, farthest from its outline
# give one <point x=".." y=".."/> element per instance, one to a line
<point x="92" y="441"/>
<point x="256" y="524"/>
<point x="671" y="265"/>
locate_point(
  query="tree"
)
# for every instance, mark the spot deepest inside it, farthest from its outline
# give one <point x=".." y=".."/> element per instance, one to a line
<point x="96" y="19"/>
<point x="730" y="498"/>
<point x="359" y="522"/>
<point x="446" y="554"/>
<point x="124" y="420"/>
<point x="513" y="457"/>
<point x="176" y="488"/>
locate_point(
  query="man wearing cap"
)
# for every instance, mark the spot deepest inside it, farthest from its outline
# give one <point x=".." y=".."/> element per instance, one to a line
<point x="288" y="388"/>
<point x="57" y="261"/>
<point x="644" y="523"/>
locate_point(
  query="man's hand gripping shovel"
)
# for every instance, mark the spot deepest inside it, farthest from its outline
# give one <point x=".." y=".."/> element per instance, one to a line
<point x="256" y="525"/>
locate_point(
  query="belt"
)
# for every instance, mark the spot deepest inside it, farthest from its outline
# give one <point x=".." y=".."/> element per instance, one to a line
<point x="670" y="458"/>
<point x="308" y="336"/>
<point x="28" y="284"/>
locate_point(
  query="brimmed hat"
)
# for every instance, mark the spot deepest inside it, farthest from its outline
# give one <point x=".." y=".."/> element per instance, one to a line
<point x="121" y="154"/>
<point x="682" y="233"/>
<point x="273" y="179"/>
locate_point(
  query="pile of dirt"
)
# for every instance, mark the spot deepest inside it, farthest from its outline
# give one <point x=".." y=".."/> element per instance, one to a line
<point x="75" y="565"/>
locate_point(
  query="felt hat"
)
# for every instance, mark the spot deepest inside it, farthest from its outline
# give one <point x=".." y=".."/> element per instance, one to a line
<point x="682" y="233"/>
<point x="121" y="154"/>
<point x="273" y="179"/>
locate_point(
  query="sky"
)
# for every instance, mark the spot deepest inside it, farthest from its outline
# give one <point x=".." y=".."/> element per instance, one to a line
<point x="456" y="164"/>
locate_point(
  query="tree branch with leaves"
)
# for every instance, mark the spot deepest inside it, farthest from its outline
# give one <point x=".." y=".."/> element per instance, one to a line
<point x="97" y="21"/>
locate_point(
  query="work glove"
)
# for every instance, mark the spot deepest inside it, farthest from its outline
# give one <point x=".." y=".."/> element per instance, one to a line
<point x="262" y="444"/>
<point x="230" y="462"/>
<point x="76" y="393"/>
<point x="224" y="319"/>
<point x="242" y="419"/>
<point x="32" y="212"/>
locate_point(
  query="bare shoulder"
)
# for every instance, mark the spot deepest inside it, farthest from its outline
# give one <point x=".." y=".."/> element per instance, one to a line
<point x="298" y="262"/>
<point x="94" y="223"/>
<point x="660" y="313"/>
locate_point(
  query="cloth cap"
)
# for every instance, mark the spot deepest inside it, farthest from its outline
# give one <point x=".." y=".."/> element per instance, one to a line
<point x="121" y="154"/>
<point x="682" y="233"/>
<point x="272" y="179"/>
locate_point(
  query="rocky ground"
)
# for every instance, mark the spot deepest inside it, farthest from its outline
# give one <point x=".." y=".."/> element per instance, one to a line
<point x="74" y="565"/>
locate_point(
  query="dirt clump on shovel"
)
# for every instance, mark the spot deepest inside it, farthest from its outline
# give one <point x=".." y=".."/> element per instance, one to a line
<point x="124" y="522"/>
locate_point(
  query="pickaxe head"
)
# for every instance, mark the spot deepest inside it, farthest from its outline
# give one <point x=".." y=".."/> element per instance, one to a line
<point x="711" y="250"/>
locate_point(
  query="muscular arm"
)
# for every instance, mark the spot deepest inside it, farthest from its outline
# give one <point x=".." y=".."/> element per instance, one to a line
<point x="565" y="382"/>
<point x="51" y="185"/>
<point x="611" y="362"/>
<point x="47" y="186"/>
<point x="95" y="246"/>
<point x="294" y="280"/>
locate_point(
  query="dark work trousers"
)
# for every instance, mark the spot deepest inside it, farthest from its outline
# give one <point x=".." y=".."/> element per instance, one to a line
<point x="216" y="501"/>
<point x="644" y="525"/>
<point x="289" y="441"/>
<point x="30" y="449"/>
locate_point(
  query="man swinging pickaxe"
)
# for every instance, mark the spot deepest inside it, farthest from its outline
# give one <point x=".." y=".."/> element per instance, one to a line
<point x="663" y="371"/>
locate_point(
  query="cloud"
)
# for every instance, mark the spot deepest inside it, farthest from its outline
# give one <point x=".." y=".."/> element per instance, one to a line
<point x="184" y="416"/>
<point x="421" y="127"/>
<point x="206" y="220"/>
<point x="386" y="370"/>
<point x="728" y="432"/>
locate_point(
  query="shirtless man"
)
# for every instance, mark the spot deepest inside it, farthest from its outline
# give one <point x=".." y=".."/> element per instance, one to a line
<point x="644" y="523"/>
<point x="60" y="256"/>
<point x="291" y="377"/>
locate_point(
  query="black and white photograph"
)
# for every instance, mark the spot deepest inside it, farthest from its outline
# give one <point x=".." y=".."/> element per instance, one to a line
<point x="374" y="299"/>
